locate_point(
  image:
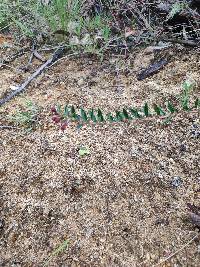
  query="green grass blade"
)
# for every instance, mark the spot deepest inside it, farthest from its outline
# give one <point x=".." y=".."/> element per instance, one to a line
<point x="66" y="112"/>
<point x="185" y="103"/>
<point x="58" y="109"/>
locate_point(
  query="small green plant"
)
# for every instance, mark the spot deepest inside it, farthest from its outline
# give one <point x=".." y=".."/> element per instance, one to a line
<point x="126" y="114"/>
<point x="60" y="12"/>
<point x="56" y="252"/>
<point x="177" y="7"/>
<point x="17" y="15"/>
<point x="185" y="96"/>
<point x="26" y="117"/>
<point x="84" y="151"/>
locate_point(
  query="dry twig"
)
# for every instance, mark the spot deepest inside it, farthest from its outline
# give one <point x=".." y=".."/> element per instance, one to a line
<point x="7" y="127"/>
<point x="57" y="54"/>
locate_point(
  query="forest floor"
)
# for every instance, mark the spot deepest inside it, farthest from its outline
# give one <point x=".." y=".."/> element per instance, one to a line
<point x="122" y="204"/>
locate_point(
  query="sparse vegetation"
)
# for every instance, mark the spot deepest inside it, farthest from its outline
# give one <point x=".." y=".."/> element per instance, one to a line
<point x="60" y="20"/>
<point x="27" y="116"/>
<point x="127" y="114"/>
<point x="114" y="189"/>
<point x="60" y="249"/>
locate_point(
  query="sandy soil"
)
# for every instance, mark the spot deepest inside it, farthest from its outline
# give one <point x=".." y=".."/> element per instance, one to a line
<point x="124" y="204"/>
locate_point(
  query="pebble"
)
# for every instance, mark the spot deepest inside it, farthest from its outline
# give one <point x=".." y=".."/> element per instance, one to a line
<point x="177" y="181"/>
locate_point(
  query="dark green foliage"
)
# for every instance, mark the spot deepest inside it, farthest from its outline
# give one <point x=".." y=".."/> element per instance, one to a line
<point x="84" y="115"/>
<point x="171" y="108"/>
<point x="66" y="112"/>
<point x="73" y="113"/>
<point x="146" y="110"/>
<point x="135" y="113"/>
<point x="92" y="116"/>
<point x="100" y="116"/>
<point x="185" y="104"/>
<point x="110" y="117"/>
<point x="158" y="110"/>
<point x="119" y="116"/>
<point x="125" y="114"/>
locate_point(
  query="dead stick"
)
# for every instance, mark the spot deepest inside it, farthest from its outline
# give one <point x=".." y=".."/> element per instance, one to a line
<point x="8" y="127"/>
<point x="183" y="42"/>
<point x="58" y="53"/>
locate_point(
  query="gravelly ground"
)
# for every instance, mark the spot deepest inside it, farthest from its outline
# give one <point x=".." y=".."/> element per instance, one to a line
<point x="117" y="206"/>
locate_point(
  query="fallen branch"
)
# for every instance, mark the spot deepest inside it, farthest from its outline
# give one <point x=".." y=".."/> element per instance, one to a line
<point x="58" y="54"/>
<point x="8" y="127"/>
<point x="182" y="42"/>
<point x="152" y="69"/>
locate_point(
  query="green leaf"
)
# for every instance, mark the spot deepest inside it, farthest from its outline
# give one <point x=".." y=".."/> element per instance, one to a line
<point x="185" y="103"/>
<point x="146" y="110"/>
<point x="110" y="117"/>
<point x="84" y="115"/>
<point x="187" y="86"/>
<point x="56" y="252"/>
<point x="100" y="116"/>
<point x="92" y="116"/>
<point x="119" y="116"/>
<point x="58" y="109"/>
<point x="135" y="113"/>
<point x="84" y="151"/>
<point x="158" y="110"/>
<point x="171" y="108"/>
<point x="126" y="115"/>
<point x="73" y="113"/>
<point x="66" y="111"/>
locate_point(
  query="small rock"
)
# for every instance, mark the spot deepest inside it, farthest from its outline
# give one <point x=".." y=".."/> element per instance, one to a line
<point x="182" y="148"/>
<point x="195" y="131"/>
<point x="14" y="87"/>
<point x="177" y="181"/>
